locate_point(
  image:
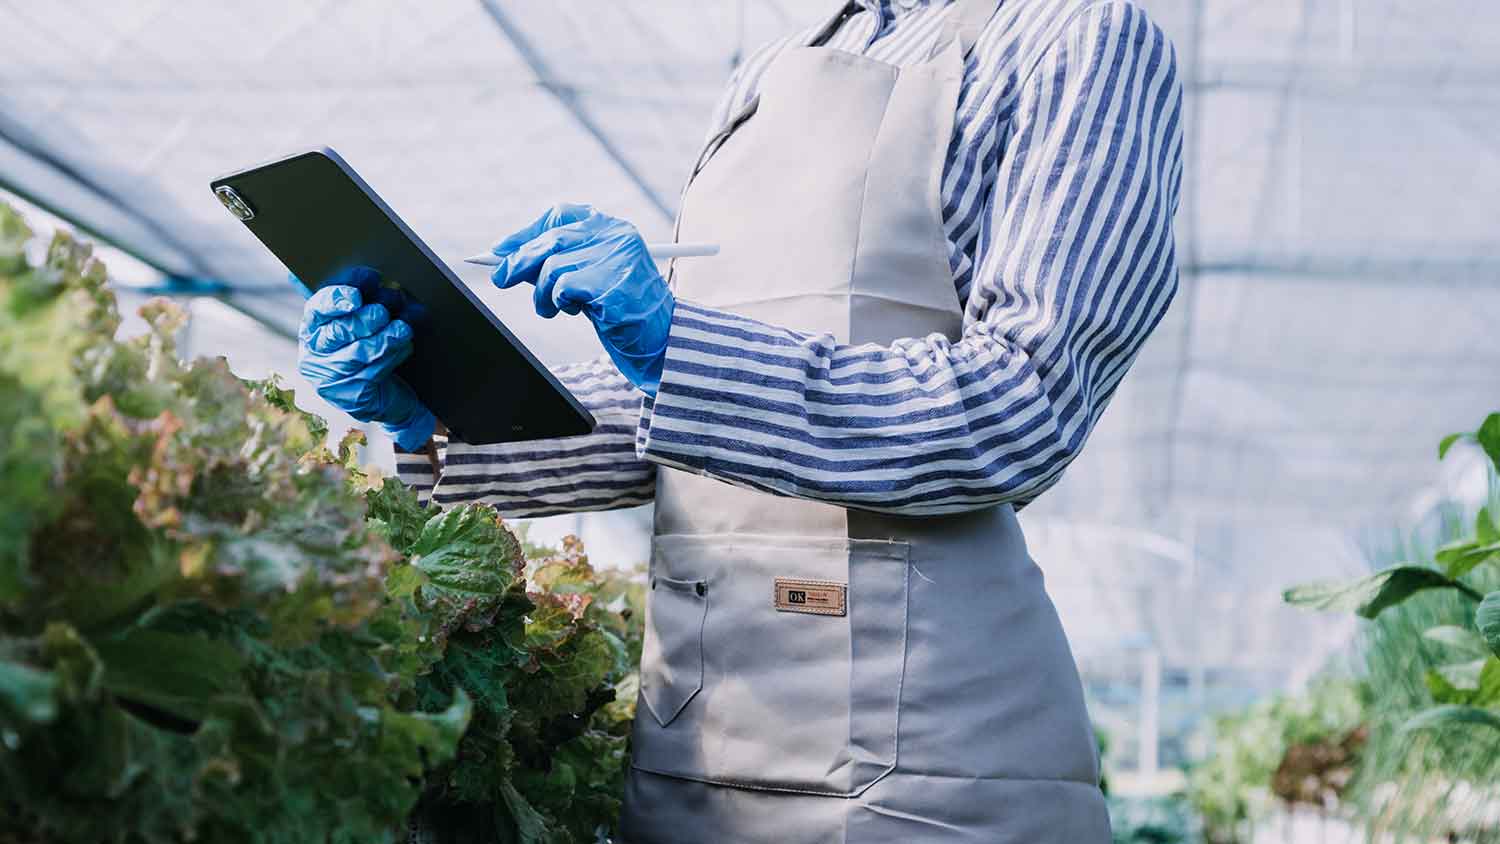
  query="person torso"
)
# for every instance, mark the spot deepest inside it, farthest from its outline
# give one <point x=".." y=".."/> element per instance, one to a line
<point x="793" y="645"/>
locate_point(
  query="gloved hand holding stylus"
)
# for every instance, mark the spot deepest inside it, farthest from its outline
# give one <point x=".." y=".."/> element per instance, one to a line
<point x="582" y="261"/>
<point x="350" y="342"/>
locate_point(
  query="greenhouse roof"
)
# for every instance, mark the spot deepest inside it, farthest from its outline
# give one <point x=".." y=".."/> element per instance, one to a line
<point x="1341" y="263"/>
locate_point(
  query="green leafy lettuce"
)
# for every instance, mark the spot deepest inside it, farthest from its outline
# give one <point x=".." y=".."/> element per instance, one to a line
<point x="215" y="628"/>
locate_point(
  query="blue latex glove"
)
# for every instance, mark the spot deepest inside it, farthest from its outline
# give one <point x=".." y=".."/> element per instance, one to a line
<point x="350" y="343"/>
<point x="585" y="262"/>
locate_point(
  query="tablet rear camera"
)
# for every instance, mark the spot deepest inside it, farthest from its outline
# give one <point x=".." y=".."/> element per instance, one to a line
<point x="231" y="200"/>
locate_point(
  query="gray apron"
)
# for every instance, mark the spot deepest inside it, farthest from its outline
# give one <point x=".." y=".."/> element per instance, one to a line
<point x="818" y="674"/>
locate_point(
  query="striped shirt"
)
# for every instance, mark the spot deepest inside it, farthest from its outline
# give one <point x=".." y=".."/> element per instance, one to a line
<point x="1058" y="193"/>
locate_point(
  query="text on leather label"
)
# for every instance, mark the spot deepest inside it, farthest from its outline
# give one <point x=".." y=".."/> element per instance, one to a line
<point x="817" y="597"/>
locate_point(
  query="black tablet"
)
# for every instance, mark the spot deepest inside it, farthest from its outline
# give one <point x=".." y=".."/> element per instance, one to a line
<point x="319" y="217"/>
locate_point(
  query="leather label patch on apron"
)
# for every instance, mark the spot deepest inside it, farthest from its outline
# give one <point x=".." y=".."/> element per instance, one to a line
<point x="817" y="597"/>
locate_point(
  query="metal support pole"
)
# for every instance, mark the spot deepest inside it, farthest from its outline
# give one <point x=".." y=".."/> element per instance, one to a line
<point x="1150" y="725"/>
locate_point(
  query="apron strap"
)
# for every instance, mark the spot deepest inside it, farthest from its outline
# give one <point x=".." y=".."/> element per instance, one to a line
<point x="821" y="37"/>
<point x="737" y="119"/>
<point x="965" y="23"/>
<point x="818" y="39"/>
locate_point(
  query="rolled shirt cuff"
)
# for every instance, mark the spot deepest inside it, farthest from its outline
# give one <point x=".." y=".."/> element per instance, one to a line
<point x="708" y="377"/>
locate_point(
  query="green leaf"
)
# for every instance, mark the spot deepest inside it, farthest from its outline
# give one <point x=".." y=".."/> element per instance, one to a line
<point x="348" y="449"/>
<point x="1368" y="596"/>
<point x="466" y="553"/>
<point x="14" y="235"/>
<point x="1462" y="639"/>
<point x="403" y="581"/>
<point x="1489" y="683"/>
<point x="1440" y="717"/>
<point x="27" y="694"/>
<point x="1487" y="619"/>
<point x="395" y="513"/>
<point x="76" y="664"/>
<point x="1459" y="558"/>
<point x="28" y="455"/>
<point x="565" y="674"/>
<point x="1474" y="683"/>
<point x="1484" y="528"/>
<point x="183" y="674"/>
<point x="285" y="400"/>
<point x="531" y="826"/>
<point x="420" y="740"/>
<point x="1443" y="691"/>
<point x="1447" y="442"/>
<point x="1488" y="436"/>
<point x="1463" y="676"/>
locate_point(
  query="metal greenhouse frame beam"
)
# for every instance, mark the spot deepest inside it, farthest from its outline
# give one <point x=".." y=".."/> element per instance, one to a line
<point x="30" y="149"/>
<point x="1459" y="270"/>
<point x="567" y="97"/>
<point x="184" y="271"/>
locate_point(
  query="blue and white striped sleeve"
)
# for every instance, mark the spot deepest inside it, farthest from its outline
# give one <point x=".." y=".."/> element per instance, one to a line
<point x="1075" y="267"/>
<point x="598" y="471"/>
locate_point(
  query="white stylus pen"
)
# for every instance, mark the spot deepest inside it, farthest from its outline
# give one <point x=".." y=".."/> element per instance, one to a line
<point x="655" y="250"/>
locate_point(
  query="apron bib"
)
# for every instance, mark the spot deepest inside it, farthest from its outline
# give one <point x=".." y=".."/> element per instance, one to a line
<point x="817" y="674"/>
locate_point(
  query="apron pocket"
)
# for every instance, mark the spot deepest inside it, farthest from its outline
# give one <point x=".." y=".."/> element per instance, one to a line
<point x="672" y="653"/>
<point x="795" y="681"/>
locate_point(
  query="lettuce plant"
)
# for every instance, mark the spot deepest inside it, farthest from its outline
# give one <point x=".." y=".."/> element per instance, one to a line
<point x="215" y="628"/>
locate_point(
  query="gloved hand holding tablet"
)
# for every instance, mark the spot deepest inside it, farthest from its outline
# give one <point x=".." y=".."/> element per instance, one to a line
<point x="354" y="334"/>
<point x="454" y="360"/>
